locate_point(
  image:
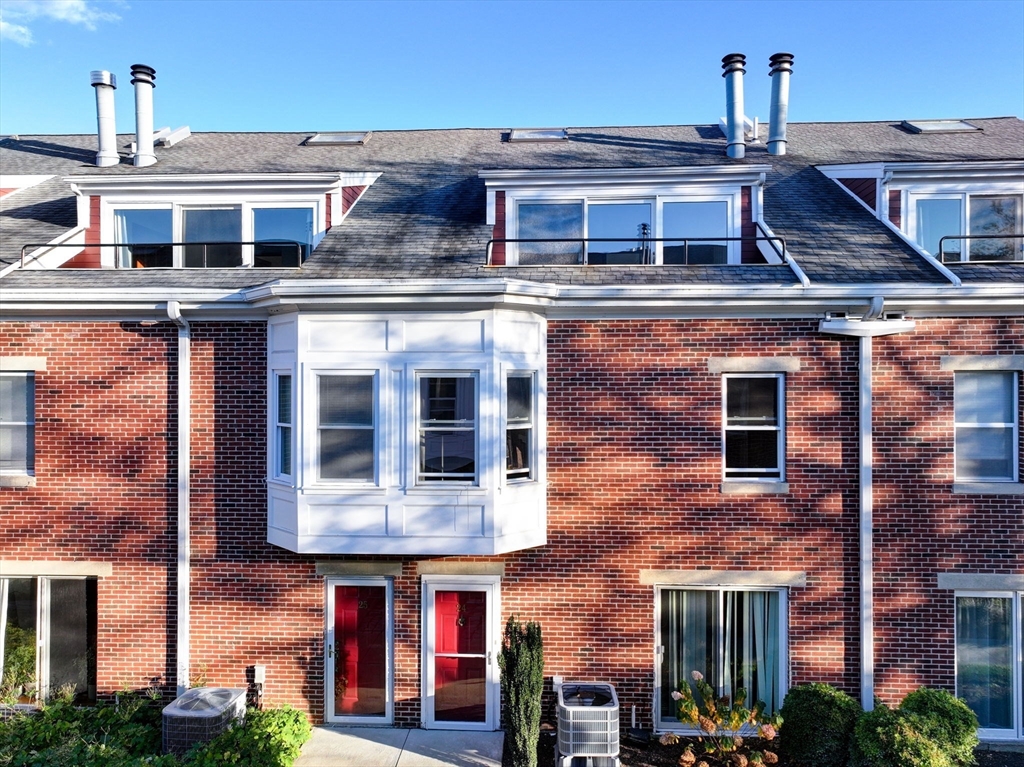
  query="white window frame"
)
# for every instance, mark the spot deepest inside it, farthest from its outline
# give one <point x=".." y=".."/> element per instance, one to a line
<point x="506" y="426"/>
<point x="963" y="194"/>
<point x="780" y="427"/>
<point x="313" y="427"/>
<point x="659" y="645"/>
<point x="276" y="426"/>
<point x="331" y="644"/>
<point x="28" y="471"/>
<point x="1017" y="654"/>
<point x="478" y="470"/>
<point x="1012" y="426"/>
<point x="656" y="196"/>
<point x="109" y="205"/>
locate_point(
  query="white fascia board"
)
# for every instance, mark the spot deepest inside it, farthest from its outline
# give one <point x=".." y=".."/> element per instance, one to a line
<point x="925" y="170"/>
<point x="219" y="182"/>
<point x="625" y="177"/>
<point x="117" y="303"/>
<point x="854" y="170"/>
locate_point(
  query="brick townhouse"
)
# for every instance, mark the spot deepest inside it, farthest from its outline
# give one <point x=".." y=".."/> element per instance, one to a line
<point x="736" y="398"/>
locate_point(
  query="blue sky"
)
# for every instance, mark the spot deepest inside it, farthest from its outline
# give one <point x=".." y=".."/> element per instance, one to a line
<point x="265" y="65"/>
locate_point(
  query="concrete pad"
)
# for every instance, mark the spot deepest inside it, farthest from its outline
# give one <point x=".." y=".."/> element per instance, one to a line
<point x="452" y="748"/>
<point x="353" y="747"/>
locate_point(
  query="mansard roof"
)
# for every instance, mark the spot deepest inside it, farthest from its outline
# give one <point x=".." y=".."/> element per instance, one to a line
<point x="425" y="217"/>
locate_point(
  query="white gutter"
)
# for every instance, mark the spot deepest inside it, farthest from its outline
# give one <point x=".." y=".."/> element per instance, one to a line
<point x="866" y="328"/>
<point x="184" y="564"/>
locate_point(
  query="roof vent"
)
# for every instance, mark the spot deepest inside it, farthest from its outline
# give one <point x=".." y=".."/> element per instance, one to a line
<point x="350" y="138"/>
<point x="105" y="84"/>
<point x="938" y="126"/>
<point x="144" y="80"/>
<point x="538" y="134"/>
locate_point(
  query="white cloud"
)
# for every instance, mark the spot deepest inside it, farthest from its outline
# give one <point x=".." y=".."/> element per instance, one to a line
<point x="81" y="12"/>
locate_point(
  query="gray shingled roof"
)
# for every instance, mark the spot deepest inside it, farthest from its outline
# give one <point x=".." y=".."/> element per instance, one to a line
<point x="425" y="216"/>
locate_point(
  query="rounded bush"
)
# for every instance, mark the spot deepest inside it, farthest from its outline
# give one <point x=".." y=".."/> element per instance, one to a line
<point x="947" y="721"/>
<point x="817" y="724"/>
<point x="887" y="738"/>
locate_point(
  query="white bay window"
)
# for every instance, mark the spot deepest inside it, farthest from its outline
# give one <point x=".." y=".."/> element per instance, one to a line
<point x="447" y="429"/>
<point x="346" y="428"/>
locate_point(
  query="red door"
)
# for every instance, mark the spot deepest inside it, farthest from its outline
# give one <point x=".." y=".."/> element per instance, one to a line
<point x="460" y="656"/>
<point x="360" y="641"/>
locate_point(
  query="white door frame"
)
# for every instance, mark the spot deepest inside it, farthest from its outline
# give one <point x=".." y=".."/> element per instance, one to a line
<point x="491" y="585"/>
<point x="389" y="651"/>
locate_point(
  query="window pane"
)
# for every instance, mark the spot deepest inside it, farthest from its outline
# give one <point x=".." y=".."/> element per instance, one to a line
<point x="346" y="454"/>
<point x="448" y="399"/>
<point x="520" y="392"/>
<point x="550" y="221"/>
<point x="751" y="639"/>
<point x="984" y="453"/>
<point x="448" y="452"/>
<point x="935" y="219"/>
<point x="284" y="441"/>
<point x="19" y="672"/>
<point x="17" y="395"/>
<point x="517" y="447"/>
<point x="71" y="641"/>
<point x="628" y="220"/>
<point x="149" y="228"/>
<point x="276" y="230"/>
<point x="752" y="401"/>
<point x="751" y="450"/>
<point x="689" y="634"/>
<point x="695" y="219"/>
<point x="984" y="397"/>
<point x="213" y="225"/>
<point x="17" y="451"/>
<point x="995" y="215"/>
<point x="984" y="652"/>
<point x="346" y="400"/>
<point x="284" y="399"/>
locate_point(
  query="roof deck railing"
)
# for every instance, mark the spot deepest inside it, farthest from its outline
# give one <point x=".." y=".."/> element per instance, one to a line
<point x="1011" y="248"/>
<point x="684" y="251"/>
<point x="194" y="255"/>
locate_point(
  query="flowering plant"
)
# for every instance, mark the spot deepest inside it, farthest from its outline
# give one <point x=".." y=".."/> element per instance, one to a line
<point x="721" y="722"/>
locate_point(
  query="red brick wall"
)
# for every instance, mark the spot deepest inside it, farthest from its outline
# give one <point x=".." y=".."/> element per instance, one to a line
<point x="921" y="527"/>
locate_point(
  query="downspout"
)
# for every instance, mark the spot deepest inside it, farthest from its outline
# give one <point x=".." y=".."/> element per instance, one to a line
<point x="868" y="326"/>
<point x="184" y="568"/>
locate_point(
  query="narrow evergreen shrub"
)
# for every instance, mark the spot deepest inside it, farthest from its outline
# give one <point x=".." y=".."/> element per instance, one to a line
<point x="818" y="724"/>
<point x="947" y="721"/>
<point x="522" y="683"/>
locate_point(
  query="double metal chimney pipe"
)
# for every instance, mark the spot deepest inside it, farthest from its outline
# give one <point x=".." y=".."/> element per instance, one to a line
<point x="781" y="68"/>
<point x="143" y="78"/>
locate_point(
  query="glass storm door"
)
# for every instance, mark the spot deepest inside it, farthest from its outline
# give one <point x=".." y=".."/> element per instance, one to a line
<point x="460" y="663"/>
<point x="359" y="652"/>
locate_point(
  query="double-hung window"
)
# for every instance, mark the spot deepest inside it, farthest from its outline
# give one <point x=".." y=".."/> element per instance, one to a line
<point x="346" y="427"/>
<point x="991" y="217"/>
<point x="17" y="423"/>
<point x="447" y="428"/>
<point x="284" y="443"/>
<point x="734" y="638"/>
<point x="985" y="415"/>
<point x="753" y="425"/>
<point x="519" y="431"/>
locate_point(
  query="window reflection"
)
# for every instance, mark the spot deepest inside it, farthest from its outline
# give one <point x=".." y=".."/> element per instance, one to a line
<point x="695" y="220"/>
<point x="550" y="221"/>
<point x="628" y="221"/>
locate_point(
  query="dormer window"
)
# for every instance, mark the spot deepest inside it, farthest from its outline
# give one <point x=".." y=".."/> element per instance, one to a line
<point x="990" y="220"/>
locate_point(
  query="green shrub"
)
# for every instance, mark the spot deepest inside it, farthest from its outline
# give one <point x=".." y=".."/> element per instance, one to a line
<point x="268" y="738"/>
<point x="945" y="720"/>
<point x="522" y="684"/>
<point x="819" y="723"/>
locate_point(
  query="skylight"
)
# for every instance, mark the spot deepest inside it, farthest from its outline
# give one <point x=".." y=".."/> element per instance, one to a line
<point x="338" y="139"/>
<point x="938" y="126"/>
<point x="538" y="134"/>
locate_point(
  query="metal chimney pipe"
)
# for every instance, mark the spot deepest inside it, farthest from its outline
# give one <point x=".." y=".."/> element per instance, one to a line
<point x="143" y="78"/>
<point x="733" y="65"/>
<point x="106" y="129"/>
<point x="781" y="68"/>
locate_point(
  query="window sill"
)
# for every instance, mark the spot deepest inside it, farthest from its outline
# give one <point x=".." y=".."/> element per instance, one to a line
<point x="754" y="488"/>
<point x="988" y="488"/>
<point x="17" y="480"/>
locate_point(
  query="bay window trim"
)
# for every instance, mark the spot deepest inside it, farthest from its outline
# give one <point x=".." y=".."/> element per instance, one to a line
<point x="437" y="480"/>
<point x="531" y="426"/>
<point x="276" y="426"/>
<point x="314" y="427"/>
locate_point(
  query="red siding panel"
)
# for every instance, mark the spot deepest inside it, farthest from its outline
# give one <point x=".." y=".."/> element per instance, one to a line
<point x="89" y="258"/>
<point x="327" y="212"/>
<point x="749" y="252"/>
<point x="896" y="208"/>
<point x="864" y="188"/>
<point x="349" y="195"/>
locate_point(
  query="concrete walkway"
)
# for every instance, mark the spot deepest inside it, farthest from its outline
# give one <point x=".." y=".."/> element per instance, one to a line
<point x="393" y="747"/>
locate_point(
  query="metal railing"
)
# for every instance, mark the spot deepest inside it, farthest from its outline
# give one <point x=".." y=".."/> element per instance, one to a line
<point x="1014" y="250"/>
<point x="193" y="255"/>
<point x="685" y="250"/>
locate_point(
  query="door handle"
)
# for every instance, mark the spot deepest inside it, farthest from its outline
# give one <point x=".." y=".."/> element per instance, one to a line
<point x="330" y="651"/>
<point x="488" y="657"/>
